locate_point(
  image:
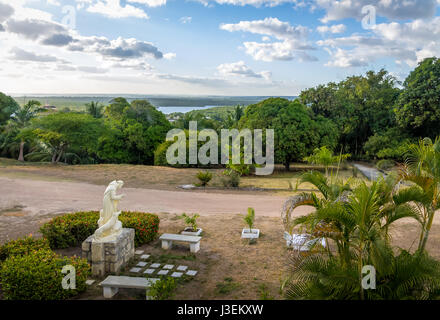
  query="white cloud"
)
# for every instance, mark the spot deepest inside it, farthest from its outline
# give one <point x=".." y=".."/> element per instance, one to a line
<point x="392" y="9"/>
<point x="185" y="20"/>
<point x="293" y="42"/>
<point x="150" y="3"/>
<point x="339" y="28"/>
<point x="241" y="69"/>
<point x="407" y="43"/>
<point x="113" y="9"/>
<point x="255" y="3"/>
<point x="169" y="56"/>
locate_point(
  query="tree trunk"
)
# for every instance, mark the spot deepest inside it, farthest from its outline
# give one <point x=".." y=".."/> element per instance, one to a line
<point x="54" y="157"/>
<point x="287" y="166"/>
<point x="21" y="155"/>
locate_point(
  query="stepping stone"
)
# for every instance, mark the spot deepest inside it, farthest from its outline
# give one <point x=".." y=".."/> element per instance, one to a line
<point x="141" y="264"/>
<point x="177" y="274"/>
<point x="139" y="252"/>
<point x="149" y="271"/>
<point x="191" y="273"/>
<point x="89" y="282"/>
<point x="163" y="272"/>
<point x="182" y="268"/>
<point x="145" y="256"/>
<point x="155" y="265"/>
<point x="168" y="266"/>
<point x="135" y="270"/>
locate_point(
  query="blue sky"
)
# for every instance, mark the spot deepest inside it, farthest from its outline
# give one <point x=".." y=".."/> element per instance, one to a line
<point x="198" y="47"/>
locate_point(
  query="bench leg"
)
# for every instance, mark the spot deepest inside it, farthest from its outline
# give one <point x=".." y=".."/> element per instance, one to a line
<point x="166" y="244"/>
<point x="109" y="292"/>
<point x="194" y="247"/>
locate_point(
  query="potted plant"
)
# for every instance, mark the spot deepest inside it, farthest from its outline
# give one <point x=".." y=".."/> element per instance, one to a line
<point x="191" y="228"/>
<point x="250" y="233"/>
<point x="204" y="177"/>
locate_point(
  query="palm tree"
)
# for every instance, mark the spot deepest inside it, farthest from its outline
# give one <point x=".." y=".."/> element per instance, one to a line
<point x="422" y="169"/>
<point x="21" y="119"/>
<point x="94" y="109"/>
<point x="357" y="222"/>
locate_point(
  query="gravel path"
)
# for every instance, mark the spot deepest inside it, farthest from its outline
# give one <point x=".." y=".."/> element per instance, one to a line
<point x="27" y="203"/>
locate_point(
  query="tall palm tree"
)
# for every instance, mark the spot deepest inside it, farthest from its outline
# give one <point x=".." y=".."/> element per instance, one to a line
<point x="21" y="119"/>
<point x="422" y="169"/>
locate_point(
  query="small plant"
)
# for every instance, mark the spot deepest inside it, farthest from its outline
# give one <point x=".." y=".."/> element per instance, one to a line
<point x="227" y="286"/>
<point x="264" y="292"/>
<point x="250" y="218"/>
<point x="163" y="289"/>
<point x="230" y="179"/>
<point x="191" y="222"/>
<point x="204" y="177"/>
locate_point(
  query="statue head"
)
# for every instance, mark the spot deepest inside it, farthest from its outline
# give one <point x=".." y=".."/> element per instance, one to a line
<point x="115" y="185"/>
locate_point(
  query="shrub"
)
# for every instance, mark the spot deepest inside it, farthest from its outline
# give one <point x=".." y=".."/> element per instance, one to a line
<point x="385" y="164"/>
<point x="190" y="221"/>
<point x="162" y="289"/>
<point x="72" y="229"/>
<point x="22" y="247"/>
<point x="230" y="179"/>
<point x="204" y="177"/>
<point x="37" y="276"/>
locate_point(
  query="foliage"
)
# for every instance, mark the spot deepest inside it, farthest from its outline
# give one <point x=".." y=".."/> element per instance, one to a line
<point x="163" y="289"/>
<point x="250" y="218"/>
<point x="323" y="156"/>
<point x="37" y="276"/>
<point x="390" y="144"/>
<point x="204" y="177"/>
<point x="22" y="247"/>
<point x="297" y="130"/>
<point x="62" y="133"/>
<point x="95" y="109"/>
<point x="72" y="229"/>
<point x="359" y="105"/>
<point x="190" y="221"/>
<point x="417" y="109"/>
<point x="7" y="107"/>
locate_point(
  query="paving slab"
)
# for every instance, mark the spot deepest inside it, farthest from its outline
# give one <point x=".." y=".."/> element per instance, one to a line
<point x="191" y="273"/>
<point x="139" y="252"/>
<point x="141" y="264"/>
<point x="182" y="268"/>
<point x="155" y="265"/>
<point x="145" y="256"/>
<point x="177" y="274"/>
<point x="149" y="271"/>
<point x="135" y="270"/>
<point x="90" y="282"/>
<point x="162" y="272"/>
<point x="168" y="266"/>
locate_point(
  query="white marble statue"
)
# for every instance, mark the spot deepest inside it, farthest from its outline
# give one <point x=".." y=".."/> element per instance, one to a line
<point x="109" y="226"/>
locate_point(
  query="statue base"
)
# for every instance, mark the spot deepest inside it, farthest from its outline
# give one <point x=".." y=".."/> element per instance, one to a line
<point x="109" y="256"/>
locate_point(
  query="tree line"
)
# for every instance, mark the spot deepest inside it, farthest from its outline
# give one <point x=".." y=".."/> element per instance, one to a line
<point x="371" y="116"/>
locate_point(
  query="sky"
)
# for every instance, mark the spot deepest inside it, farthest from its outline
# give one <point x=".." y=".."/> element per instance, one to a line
<point x="208" y="47"/>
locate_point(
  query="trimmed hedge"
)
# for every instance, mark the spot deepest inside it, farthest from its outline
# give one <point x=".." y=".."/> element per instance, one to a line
<point x="22" y="247"/>
<point x="37" y="276"/>
<point x="72" y="229"/>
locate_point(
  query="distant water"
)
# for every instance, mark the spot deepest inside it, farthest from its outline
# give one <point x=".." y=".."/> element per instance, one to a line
<point x="183" y="109"/>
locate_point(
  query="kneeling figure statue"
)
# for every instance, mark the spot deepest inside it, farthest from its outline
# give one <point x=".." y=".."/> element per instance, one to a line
<point x="109" y="226"/>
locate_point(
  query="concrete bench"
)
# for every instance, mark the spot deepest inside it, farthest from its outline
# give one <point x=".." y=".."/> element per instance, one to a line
<point x="111" y="284"/>
<point x="168" y="238"/>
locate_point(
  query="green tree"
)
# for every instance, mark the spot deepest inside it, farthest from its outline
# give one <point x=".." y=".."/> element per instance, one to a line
<point x="418" y="107"/>
<point x="7" y="107"/>
<point x="94" y="109"/>
<point x="297" y="132"/>
<point x="21" y="119"/>
<point x="62" y="133"/>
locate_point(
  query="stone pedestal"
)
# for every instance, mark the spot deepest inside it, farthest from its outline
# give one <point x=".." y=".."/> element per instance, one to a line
<point x="109" y="256"/>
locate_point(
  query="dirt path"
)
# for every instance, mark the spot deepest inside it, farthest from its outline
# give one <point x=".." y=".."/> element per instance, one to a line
<point x="26" y="203"/>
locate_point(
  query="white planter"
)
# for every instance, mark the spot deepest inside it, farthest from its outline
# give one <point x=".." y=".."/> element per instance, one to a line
<point x="250" y="233"/>
<point x="188" y="232"/>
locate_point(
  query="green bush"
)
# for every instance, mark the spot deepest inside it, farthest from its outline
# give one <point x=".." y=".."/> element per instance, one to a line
<point x="385" y="164"/>
<point x="37" y="276"/>
<point x="72" y="229"/>
<point x="22" y="247"/>
<point x="204" y="177"/>
<point x="230" y="179"/>
<point x="162" y="289"/>
<point x="249" y="219"/>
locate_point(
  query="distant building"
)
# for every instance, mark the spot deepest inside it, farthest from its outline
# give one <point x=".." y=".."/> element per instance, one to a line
<point x="48" y="107"/>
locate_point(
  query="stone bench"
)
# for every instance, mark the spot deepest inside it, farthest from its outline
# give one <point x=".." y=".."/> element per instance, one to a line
<point x="111" y="284"/>
<point x="168" y="238"/>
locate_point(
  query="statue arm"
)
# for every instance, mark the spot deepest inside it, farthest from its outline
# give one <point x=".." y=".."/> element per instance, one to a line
<point x="115" y="196"/>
